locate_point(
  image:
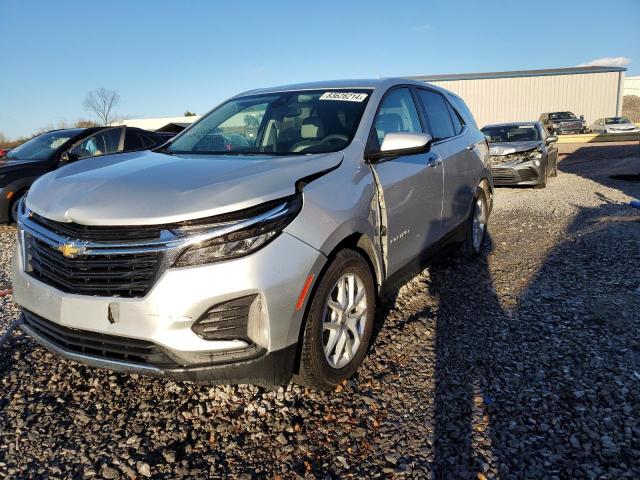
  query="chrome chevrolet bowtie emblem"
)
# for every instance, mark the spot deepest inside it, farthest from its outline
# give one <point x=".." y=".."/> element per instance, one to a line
<point x="69" y="250"/>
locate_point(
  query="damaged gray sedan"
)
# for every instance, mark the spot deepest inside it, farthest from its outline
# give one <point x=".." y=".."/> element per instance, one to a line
<point x="522" y="153"/>
<point x="260" y="260"/>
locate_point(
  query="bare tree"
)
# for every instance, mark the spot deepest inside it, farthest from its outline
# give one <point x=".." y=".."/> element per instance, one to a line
<point x="101" y="102"/>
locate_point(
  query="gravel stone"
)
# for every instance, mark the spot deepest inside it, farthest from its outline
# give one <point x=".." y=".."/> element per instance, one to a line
<point x="524" y="363"/>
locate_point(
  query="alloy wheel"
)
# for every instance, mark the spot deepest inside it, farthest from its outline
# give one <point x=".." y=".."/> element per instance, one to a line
<point x="479" y="223"/>
<point x="344" y="322"/>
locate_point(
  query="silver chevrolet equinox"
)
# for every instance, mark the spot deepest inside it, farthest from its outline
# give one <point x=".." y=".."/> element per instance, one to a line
<point x="253" y="247"/>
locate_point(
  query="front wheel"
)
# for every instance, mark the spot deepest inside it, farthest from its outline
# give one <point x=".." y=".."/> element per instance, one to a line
<point x="545" y="177"/>
<point x="339" y="323"/>
<point x="13" y="210"/>
<point x="476" y="228"/>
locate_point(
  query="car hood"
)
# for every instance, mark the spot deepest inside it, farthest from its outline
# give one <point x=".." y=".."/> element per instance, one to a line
<point x="16" y="162"/>
<point x="146" y="188"/>
<point x="507" y="148"/>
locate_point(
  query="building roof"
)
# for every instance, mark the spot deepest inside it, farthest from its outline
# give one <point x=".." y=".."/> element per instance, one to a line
<point x="518" y="73"/>
<point x="156" y="123"/>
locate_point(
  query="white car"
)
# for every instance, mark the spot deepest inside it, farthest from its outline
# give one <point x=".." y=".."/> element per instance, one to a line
<point x="614" y="125"/>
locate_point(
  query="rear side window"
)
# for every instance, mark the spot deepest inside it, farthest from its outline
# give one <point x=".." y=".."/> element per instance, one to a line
<point x="147" y="141"/>
<point x="397" y="113"/>
<point x="458" y="126"/>
<point x="132" y="140"/>
<point x="436" y="111"/>
<point x="463" y="110"/>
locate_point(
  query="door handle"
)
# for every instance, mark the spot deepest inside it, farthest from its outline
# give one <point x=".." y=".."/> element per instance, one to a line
<point x="434" y="162"/>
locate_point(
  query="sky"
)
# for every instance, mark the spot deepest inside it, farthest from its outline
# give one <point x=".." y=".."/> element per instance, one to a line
<point x="165" y="57"/>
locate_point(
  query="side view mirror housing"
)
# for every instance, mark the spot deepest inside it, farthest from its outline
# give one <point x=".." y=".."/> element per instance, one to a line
<point x="551" y="139"/>
<point x="581" y="117"/>
<point x="396" y="144"/>
<point x="68" y="157"/>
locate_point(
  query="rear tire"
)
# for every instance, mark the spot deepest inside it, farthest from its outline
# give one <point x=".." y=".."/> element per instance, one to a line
<point x="476" y="228"/>
<point x="339" y="323"/>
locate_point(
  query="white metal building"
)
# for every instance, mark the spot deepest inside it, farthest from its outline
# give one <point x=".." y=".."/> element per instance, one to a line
<point x="523" y="95"/>
<point x="632" y="85"/>
<point x="158" y="124"/>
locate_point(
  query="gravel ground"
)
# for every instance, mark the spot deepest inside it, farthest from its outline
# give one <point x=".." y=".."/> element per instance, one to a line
<point x="525" y="363"/>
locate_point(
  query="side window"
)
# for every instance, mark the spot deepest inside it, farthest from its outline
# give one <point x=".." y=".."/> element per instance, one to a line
<point x="132" y="140"/>
<point x="463" y="109"/>
<point x="147" y="141"/>
<point x="436" y="110"/>
<point x="458" y="126"/>
<point x="397" y="113"/>
<point x="101" y="143"/>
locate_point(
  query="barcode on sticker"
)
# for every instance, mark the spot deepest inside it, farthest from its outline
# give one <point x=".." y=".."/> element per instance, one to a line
<point x="344" y="96"/>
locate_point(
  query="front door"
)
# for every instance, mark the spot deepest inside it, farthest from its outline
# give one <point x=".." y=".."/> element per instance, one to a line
<point x="410" y="187"/>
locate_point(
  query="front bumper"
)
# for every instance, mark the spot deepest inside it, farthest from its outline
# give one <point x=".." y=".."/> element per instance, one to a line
<point x="526" y="173"/>
<point x="256" y="366"/>
<point x="164" y="317"/>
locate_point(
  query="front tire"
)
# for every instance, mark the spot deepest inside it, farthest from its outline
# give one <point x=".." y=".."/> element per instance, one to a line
<point x="545" y="177"/>
<point x="339" y="323"/>
<point x="13" y="209"/>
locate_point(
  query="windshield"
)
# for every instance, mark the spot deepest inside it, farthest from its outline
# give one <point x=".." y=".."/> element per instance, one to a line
<point x="284" y="123"/>
<point x="616" y="120"/>
<point x="562" y="116"/>
<point x="42" y="146"/>
<point x="511" y="133"/>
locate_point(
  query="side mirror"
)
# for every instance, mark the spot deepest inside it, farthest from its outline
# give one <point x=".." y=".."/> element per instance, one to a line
<point x="551" y="139"/>
<point x="401" y="143"/>
<point x="581" y="117"/>
<point x="68" y="157"/>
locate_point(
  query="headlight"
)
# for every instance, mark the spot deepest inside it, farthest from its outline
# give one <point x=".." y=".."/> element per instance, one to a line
<point x="238" y="234"/>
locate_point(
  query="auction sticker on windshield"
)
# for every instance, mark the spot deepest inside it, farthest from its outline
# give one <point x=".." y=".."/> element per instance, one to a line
<point x="344" y="96"/>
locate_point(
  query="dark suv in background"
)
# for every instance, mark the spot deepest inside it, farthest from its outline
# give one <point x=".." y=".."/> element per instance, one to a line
<point x="20" y="167"/>
<point x="558" y="123"/>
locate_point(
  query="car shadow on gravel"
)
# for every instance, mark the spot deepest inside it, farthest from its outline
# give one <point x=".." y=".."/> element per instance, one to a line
<point x="550" y="387"/>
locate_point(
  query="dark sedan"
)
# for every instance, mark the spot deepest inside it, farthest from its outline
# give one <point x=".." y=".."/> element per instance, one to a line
<point x="521" y="153"/>
<point x="20" y="167"/>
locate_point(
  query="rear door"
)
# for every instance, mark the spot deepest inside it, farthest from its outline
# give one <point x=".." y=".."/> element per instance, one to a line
<point x="410" y="186"/>
<point x="461" y="172"/>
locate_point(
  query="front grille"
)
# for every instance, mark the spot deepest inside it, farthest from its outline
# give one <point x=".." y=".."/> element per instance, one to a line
<point x="507" y="176"/>
<point x="128" y="275"/>
<point x="100" y="233"/>
<point x="569" y="126"/>
<point x="99" y="344"/>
